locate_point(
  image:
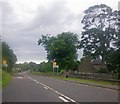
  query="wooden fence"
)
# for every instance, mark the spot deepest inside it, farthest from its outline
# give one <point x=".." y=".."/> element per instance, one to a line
<point x="96" y="76"/>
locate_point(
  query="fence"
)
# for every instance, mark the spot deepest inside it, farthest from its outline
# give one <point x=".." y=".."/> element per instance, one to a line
<point x="96" y="76"/>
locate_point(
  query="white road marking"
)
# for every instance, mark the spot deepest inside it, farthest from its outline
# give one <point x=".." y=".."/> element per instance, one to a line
<point x="57" y="92"/>
<point x="46" y="88"/>
<point x="63" y="99"/>
<point x="18" y="77"/>
<point x="67" y="98"/>
<point x="61" y="95"/>
<point x="37" y="82"/>
<point x="34" y="80"/>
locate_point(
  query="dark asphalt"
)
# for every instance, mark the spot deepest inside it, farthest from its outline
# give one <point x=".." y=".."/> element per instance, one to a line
<point x="22" y="89"/>
<point x="33" y="88"/>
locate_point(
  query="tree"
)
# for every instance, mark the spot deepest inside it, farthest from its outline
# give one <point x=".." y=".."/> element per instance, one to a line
<point x="8" y="56"/>
<point x="113" y="63"/>
<point x="62" y="48"/>
<point x="33" y="66"/>
<point x="100" y="24"/>
<point x="45" y="67"/>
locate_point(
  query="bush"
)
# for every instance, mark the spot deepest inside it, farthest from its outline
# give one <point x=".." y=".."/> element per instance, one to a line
<point x="102" y="70"/>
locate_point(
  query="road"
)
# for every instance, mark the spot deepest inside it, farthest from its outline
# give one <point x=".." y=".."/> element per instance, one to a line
<point x="36" y="88"/>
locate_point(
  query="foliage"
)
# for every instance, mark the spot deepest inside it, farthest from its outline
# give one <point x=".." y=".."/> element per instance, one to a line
<point x="113" y="62"/>
<point x="6" y="77"/>
<point x="21" y="67"/>
<point x="26" y="66"/>
<point x="45" y="67"/>
<point x="33" y="66"/>
<point x="62" y="48"/>
<point x="8" y="56"/>
<point x="102" y="70"/>
<point x="100" y="24"/>
<point x="0" y="77"/>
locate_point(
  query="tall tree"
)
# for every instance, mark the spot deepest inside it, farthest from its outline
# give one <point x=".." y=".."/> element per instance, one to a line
<point x="62" y="48"/>
<point x="113" y="63"/>
<point x="8" y="56"/>
<point x="100" y="24"/>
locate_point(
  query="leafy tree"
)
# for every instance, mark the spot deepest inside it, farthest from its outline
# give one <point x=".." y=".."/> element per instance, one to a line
<point x="45" y="67"/>
<point x="33" y="66"/>
<point x="100" y="24"/>
<point x="62" y="48"/>
<point x="8" y="56"/>
<point x="113" y="63"/>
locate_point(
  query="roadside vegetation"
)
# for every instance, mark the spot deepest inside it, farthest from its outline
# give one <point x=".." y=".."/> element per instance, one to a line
<point x="93" y="81"/>
<point x="78" y="80"/>
<point x="8" y="61"/>
<point x="0" y="77"/>
<point x="6" y="77"/>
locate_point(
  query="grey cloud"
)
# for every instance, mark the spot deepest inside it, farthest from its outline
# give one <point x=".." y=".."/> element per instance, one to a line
<point x="8" y="16"/>
<point x="23" y="37"/>
<point x="52" y="18"/>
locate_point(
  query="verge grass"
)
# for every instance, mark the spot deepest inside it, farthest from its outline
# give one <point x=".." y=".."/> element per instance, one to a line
<point x="86" y="80"/>
<point x="0" y="77"/>
<point x="79" y="80"/>
<point x="6" y="77"/>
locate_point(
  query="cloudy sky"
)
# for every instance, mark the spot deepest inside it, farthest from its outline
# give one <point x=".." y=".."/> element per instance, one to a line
<point x="23" y="22"/>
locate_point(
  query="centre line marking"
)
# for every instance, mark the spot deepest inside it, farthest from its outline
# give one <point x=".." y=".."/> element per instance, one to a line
<point x="37" y="82"/>
<point x="46" y="88"/>
<point x="63" y="99"/>
<point x="61" y="96"/>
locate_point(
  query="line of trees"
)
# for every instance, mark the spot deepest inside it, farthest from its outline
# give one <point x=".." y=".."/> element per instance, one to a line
<point x="8" y="57"/>
<point x="32" y="66"/>
<point x="100" y="38"/>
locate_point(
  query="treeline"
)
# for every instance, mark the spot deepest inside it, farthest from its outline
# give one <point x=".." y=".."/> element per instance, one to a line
<point x="100" y="39"/>
<point x="8" y="58"/>
<point x="32" y="66"/>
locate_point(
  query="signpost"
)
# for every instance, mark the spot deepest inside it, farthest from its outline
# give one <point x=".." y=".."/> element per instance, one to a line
<point x="55" y="66"/>
<point x="5" y="64"/>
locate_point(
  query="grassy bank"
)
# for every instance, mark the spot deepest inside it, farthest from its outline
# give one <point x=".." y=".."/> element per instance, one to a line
<point x="86" y="80"/>
<point x="6" y="77"/>
<point x="54" y="75"/>
<point x="0" y="77"/>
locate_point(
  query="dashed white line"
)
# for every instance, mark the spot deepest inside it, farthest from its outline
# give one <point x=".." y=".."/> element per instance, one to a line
<point x="61" y="96"/>
<point x="34" y="80"/>
<point x="63" y="99"/>
<point x="37" y="82"/>
<point x="67" y="98"/>
<point x="46" y="88"/>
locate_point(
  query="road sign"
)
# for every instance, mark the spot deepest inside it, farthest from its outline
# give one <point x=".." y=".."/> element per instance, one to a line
<point x="54" y="64"/>
<point x="4" y="62"/>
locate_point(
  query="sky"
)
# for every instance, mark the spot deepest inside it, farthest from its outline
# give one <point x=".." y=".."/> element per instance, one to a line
<point x="24" y="21"/>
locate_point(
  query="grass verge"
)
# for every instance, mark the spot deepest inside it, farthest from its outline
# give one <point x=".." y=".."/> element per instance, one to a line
<point x="0" y="78"/>
<point x="89" y="81"/>
<point x="86" y="80"/>
<point x="6" y="77"/>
